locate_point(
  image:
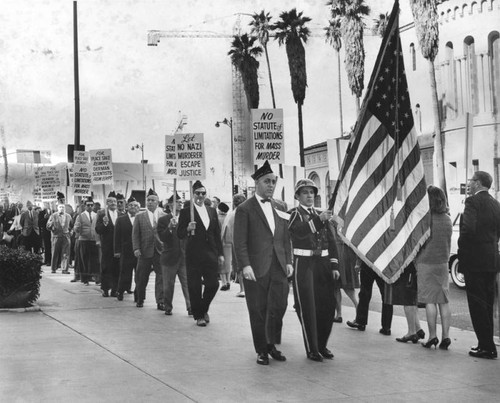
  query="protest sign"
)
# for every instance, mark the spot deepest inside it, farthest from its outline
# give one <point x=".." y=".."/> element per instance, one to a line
<point x="82" y="179"/>
<point x="267" y="136"/>
<point x="81" y="157"/>
<point x="190" y="156"/>
<point x="102" y="169"/>
<point x="49" y="179"/>
<point x="170" y="157"/>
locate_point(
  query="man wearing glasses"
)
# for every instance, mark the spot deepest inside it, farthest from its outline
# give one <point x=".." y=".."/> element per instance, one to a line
<point x="479" y="260"/>
<point x="204" y="253"/>
<point x="85" y="231"/>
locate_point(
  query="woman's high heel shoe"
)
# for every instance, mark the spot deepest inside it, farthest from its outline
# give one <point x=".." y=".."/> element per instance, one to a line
<point x="420" y="333"/>
<point x="412" y="337"/>
<point x="432" y="342"/>
<point x="445" y="344"/>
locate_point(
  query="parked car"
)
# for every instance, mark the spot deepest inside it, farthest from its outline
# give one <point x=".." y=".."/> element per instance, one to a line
<point x="453" y="265"/>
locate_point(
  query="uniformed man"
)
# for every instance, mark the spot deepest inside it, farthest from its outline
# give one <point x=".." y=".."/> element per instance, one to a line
<point x="315" y="269"/>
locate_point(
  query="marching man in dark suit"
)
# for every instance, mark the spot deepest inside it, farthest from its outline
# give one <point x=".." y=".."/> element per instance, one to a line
<point x="315" y="269"/>
<point x="479" y="260"/>
<point x="263" y="252"/>
<point x="173" y="263"/>
<point x="147" y="249"/>
<point x="123" y="247"/>
<point x="30" y="228"/>
<point x="203" y="253"/>
<point x="110" y="265"/>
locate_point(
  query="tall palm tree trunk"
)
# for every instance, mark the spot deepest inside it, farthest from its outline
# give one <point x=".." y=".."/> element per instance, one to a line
<point x="270" y="76"/>
<point x="301" y="136"/>
<point x="340" y="96"/>
<point x="358" y="107"/>
<point x="438" y="135"/>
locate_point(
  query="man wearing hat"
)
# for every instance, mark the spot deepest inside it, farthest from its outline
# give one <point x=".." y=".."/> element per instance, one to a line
<point x="110" y="265"/>
<point x="263" y="251"/>
<point x="172" y="259"/>
<point x="123" y="248"/>
<point x="59" y="224"/>
<point x="316" y="268"/>
<point x="120" y="204"/>
<point x="85" y="231"/>
<point x="147" y="249"/>
<point x="203" y="253"/>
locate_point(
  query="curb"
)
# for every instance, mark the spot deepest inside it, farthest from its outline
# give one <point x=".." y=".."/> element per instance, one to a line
<point x="34" y="308"/>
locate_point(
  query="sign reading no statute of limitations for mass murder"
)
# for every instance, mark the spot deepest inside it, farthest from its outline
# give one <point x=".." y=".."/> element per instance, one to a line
<point x="190" y="156"/>
<point x="267" y="136"/>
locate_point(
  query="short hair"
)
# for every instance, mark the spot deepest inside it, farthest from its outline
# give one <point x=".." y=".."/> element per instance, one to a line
<point x="437" y="200"/>
<point x="484" y="178"/>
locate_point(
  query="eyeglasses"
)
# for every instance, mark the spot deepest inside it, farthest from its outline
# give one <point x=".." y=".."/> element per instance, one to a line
<point x="200" y="193"/>
<point x="89" y="204"/>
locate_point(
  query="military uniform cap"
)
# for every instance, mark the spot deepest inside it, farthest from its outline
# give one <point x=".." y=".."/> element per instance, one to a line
<point x="263" y="170"/>
<point x="302" y="183"/>
<point x="197" y="185"/>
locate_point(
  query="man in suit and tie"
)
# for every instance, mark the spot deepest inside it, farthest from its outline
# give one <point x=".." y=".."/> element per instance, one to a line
<point x="85" y="231"/>
<point x="263" y="251"/>
<point x="30" y="230"/>
<point x="110" y="264"/>
<point x="147" y="249"/>
<point x="59" y="224"/>
<point x="173" y="263"/>
<point x="204" y="253"/>
<point x="479" y="260"/>
<point x="123" y="248"/>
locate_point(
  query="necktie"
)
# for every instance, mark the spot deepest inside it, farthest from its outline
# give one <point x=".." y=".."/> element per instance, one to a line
<point x="311" y="211"/>
<point x="90" y="217"/>
<point x="265" y="201"/>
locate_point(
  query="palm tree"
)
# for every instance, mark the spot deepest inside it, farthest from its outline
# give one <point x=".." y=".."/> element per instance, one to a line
<point x="260" y="28"/>
<point x="243" y="55"/>
<point x="291" y="31"/>
<point x="351" y="13"/>
<point x="334" y="37"/>
<point x="426" y="23"/>
<point x="380" y="24"/>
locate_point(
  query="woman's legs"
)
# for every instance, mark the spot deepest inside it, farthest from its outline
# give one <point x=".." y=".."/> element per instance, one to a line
<point x="431" y="314"/>
<point x="411" y="319"/>
<point x="445" y="313"/>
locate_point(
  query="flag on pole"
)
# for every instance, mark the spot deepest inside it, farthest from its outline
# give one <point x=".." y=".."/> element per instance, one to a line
<point x="380" y="201"/>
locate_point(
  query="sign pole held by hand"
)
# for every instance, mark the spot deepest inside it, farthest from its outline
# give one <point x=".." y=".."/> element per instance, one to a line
<point x="191" y="204"/>
<point x="174" y="207"/>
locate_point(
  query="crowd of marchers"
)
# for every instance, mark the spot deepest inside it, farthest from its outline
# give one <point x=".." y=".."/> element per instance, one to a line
<point x="264" y="247"/>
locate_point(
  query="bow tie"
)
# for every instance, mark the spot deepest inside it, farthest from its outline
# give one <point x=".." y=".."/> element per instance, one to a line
<point x="265" y="201"/>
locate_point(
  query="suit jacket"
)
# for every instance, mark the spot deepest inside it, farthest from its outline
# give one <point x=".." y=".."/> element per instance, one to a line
<point x="172" y="245"/>
<point x="205" y="244"/>
<point x="55" y="225"/>
<point x="84" y="229"/>
<point x="106" y="233"/>
<point x="254" y="243"/>
<point x="144" y="236"/>
<point x="29" y="224"/>
<point x="479" y="234"/>
<point x="123" y="238"/>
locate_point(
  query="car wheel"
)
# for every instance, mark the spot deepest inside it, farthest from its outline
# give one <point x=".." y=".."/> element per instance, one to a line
<point x="457" y="277"/>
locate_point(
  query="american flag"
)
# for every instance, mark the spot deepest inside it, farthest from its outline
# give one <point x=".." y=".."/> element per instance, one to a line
<point x="380" y="201"/>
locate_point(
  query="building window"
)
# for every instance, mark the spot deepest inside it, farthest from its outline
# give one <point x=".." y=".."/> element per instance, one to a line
<point x="494" y="67"/>
<point x="471" y="88"/>
<point x="450" y="100"/>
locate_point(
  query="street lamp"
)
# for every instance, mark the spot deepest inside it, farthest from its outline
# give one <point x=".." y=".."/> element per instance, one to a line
<point x="229" y="123"/>
<point x="143" y="161"/>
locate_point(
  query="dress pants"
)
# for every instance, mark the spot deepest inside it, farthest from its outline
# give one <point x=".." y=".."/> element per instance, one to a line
<point x="313" y="288"/>
<point x="144" y="268"/>
<point x="201" y="295"/>
<point x="170" y="271"/>
<point x="366" y="278"/>
<point x="89" y="260"/>
<point x="480" y="297"/>
<point x="127" y="268"/>
<point x="32" y="242"/>
<point x="60" y="252"/>
<point x="267" y="299"/>
<point x="47" y="246"/>
<point x="110" y="273"/>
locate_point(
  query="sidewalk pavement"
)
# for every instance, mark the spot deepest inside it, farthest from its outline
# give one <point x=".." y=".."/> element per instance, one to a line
<point x="81" y="347"/>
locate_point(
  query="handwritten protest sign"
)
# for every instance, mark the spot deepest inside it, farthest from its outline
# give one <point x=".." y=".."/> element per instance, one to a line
<point x="82" y="179"/>
<point x="267" y="136"/>
<point x="81" y="157"/>
<point x="50" y="180"/>
<point x="190" y="156"/>
<point x="170" y="157"/>
<point x="102" y="169"/>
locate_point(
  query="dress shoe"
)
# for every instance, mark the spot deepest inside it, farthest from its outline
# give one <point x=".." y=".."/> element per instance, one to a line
<point x="129" y="291"/>
<point x="112" y="294"/>
<point x="275" y="354"/>
<point x="168" y="312"/>
<point x="405" y="339"/>
<point x="201" y="322"/>
<point x="480" y="353"/>
<point x="241" y="294"/>
<point x="356" y="325"/>
<point x="53" y="271"/>
<point x="119" y="296"/>
<point x="206" y="317"/>
<point x="315" y="357"/>
<point x="105" y="293"/>
<point x="65" y="272"/>
<point x="190" y="312"/>
<point x="262" y="359"/>
<point x="385" y="332"/>
<point x="445" y="344"/>
<point x="225" y="287"/>
<point x="420" y="333"/>
<point x="85" y="283"/>
<point x="326" y="353"/>
<point x="432" y="342"/>
<point x="139" y="304"/>
<point x="337" y="319"/>
<point x="73" y="280"/>
<point x="160" y="307"/>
